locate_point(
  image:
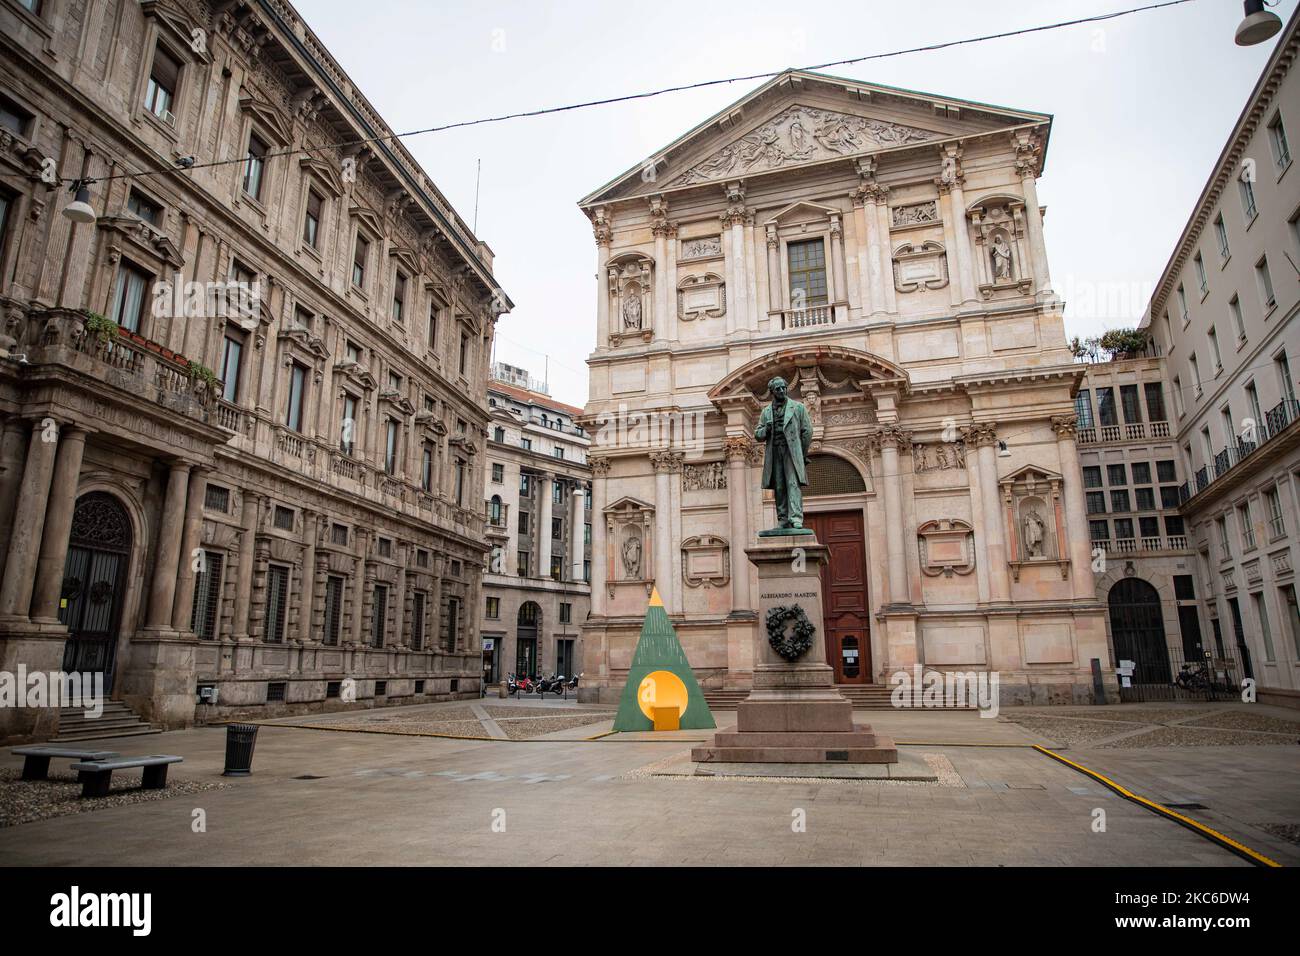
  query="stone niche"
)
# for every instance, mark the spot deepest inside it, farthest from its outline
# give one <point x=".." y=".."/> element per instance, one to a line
<point x="629" y="543"/>
<point x="1034" y="511"/>
<point x="1001" y="249"/>
<point x="630" y="287"/>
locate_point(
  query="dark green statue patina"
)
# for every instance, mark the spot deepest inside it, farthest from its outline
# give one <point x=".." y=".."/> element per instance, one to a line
<point x="787" y="431"/>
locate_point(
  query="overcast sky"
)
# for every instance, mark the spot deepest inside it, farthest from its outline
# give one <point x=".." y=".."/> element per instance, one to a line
<point x="1142" y="107"/>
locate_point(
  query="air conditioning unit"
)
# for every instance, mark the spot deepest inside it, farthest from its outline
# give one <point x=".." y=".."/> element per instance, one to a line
<point x="208" y="694"/>
<point x="168" y="117"/>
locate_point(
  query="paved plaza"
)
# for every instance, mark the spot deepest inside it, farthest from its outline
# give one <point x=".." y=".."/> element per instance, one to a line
<point x="375" y="787"/>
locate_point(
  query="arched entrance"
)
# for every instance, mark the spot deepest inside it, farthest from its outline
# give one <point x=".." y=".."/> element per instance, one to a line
<point x="527" y="625"/>
<point x="94" y="577"/>
<point x="1137" y="627"/>
<point x="845" y="615"/>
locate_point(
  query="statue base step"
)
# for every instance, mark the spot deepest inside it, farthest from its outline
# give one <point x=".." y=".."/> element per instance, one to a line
<point x="857" y="747"/>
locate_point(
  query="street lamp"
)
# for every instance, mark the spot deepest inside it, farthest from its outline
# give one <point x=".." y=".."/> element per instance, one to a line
<point x="1258" y="24"/>
<point x="79" y="210"/>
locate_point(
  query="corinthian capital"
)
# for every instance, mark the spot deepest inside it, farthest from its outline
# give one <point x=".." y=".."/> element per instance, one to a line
<point x="738" y="447"/>
<point x="1065" y="426"/>
<point x="893" y="436"/>
<point x="666" y="461"/>
<point x="979" y="434"/>
<point x="599" y="466"/>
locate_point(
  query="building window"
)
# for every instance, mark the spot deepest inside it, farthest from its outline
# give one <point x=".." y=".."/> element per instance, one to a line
<point x="521" y="525"/>
<point x="1098" y="530"/>
<point x="521" y="564"/>
<point x="417" y="621"/>
<point x="144" y="208"/>
<point x="277" y="596"/>
<point x="13" y="118"/>
<point x="558" y="451"/>
<point x="379" y="618"/>
<point x="1265" y="284"/>
<point x="499" y="434"/>
<point x="207" y="596"/>
<point x="1141" y="472"/>
<point x="1145" y="499"/>
<point x="282" y="518"/>
<point x="1238" y="324"/>
<point x="1292" y="613"/>
<point x="1128" y="398"/>
<point x="160" y="93"/>
<point x="1213" y="337"/>
<point x="492" y="611"/>
<point x="1083" y="408"/>
<point x="1283" y="366"/>
<point x="1166" y="470"/>
<point x="1221" y="232"/>
<point x="1155" y="396"/>
<point x="1116" y="475"/>
<point x="1195" y="367"/>
<point x="1247" y="199"/>
<point x="426" y="467"/>
<point x="231" y="352"/>
<point x="1221" y="526"/>
<point x="432" y="329"/>
<point x="311" y="221"/>
<point x="494" y="510"/>
<point x="421" y="558"/>
<point x="807" y="265"/>
<point x="348" y="425"/>
<point x="1277" y="139"/>
<point x="1265" y="632"/>
<point x="390" y="446"/>
<point x="1119" y="500"/>
<point x="498" y="472"/>
<point x="586" y="571"/>
<point x="453" y="624"/>
<point x="339" y="534"/>
<point x="1247" y="525"/>
<point x="566" y="613"/>
<point x="1182" y="305"/>
<point x="1276" y="521"/>
<point x="385" y="546"/>
<point x="1106" y="407"/>
<point x="1096" y="502"/>
<point x="460" y="482"/>
<point x="333" y="609"/>
<point x="360" y="254"/>
<point x="1200" y="274"/>
<point x="525" y="485"/>
<point x="526" y="444"/>
<point x="129" y="296"/>
<point x="254" y="166"/>
<point x="297" y="388"/>
<point x="464" y="352"/>
<point x="399" y="298"/>
<point x="557" y="567"/>
<point x="216" y="498"/>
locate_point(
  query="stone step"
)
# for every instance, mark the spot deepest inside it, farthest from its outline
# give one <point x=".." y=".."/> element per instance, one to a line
<point x="141" y="731"/>
<point x="817" y="755"/>
<point x="103" y="723"/>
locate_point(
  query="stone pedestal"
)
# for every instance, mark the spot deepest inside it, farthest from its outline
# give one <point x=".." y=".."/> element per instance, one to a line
<point x="794" y="713"/>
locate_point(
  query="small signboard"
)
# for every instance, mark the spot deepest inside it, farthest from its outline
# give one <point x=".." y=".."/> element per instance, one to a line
<point x="489" y="643"/>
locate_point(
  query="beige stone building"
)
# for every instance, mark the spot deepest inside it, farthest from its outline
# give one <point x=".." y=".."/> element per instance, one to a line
<point x="301" y="524"/>
<point x="537" y="493"/>
<point x="882" y="250"/>
<point x="1224" y="314"/>
<point x="1133" y="486"/>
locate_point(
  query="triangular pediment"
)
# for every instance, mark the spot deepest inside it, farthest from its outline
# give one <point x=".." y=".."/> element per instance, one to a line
<point x="800" y="118"/>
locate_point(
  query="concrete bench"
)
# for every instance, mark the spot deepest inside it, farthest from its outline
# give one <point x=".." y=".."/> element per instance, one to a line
<point x="36" y="760"/>
<point x="96" y="775"/>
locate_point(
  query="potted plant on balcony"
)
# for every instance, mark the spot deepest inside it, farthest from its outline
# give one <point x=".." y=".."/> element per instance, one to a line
<point x="106" y="330"/>
<point x="1124" y="343"/>
<point x="203" y="377"/>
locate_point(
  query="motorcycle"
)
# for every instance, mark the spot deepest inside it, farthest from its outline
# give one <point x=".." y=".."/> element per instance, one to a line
<point x="1193" y="678"/>
<point x="519" y="685"/>
<point x="551" y="685"/>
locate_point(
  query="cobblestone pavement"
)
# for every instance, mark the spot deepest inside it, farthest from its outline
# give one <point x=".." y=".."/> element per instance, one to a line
<point x="400" y="799"/>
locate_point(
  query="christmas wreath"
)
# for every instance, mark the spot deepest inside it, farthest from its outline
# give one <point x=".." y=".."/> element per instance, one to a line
<point x="795" y="644"/>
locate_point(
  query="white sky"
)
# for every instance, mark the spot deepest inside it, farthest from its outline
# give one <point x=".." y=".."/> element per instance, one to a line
<point x="1142" y="107"/>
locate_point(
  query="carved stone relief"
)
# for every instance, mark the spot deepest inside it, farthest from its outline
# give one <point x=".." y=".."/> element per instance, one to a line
<point x="708" y="476"/>
<point x="705" y="247"/>
<point x="706" y="562"/>
<point x="939" y="457"/>
<point x="631" y="292"/>
<point x="916" y="267"/>
<point x="916" y="214"/>
<point x="947" y="547"/>
<point x="702" y="296"/>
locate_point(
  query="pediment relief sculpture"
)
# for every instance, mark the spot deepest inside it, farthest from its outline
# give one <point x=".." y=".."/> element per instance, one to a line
<point x="798" y="135"/>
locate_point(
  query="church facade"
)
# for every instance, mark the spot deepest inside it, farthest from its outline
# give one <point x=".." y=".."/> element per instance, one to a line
<point x="882" y="251"/>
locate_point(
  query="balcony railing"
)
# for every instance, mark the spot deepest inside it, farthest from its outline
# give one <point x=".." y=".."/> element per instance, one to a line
<point x="802" y="318"/>
<point x="1173" y="542"/>
<point x="1276" y="420"/>
<point x="1132" y="431"/>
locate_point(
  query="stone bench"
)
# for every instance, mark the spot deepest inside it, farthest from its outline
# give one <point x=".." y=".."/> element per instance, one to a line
<point x="96" y="775"/>
<point x="36" y="760"/>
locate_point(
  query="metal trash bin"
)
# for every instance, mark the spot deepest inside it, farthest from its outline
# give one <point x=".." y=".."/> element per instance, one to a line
<point x="240" y="739"/>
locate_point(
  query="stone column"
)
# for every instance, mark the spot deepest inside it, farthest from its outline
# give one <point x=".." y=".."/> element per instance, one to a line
<point x="983" y="437"/>
<point x="307" y="599"/>
<point x="576" y="526"/>
<point x="1027" y="164"/>
<point x="738" y="452"/>
<point x="359" y="590"/>
<point x="965" y="271"/>
<point x="599" y="560"/>
<point x="774" y="301"/>
<point x="892" y="438"/>
<point x="670" y="280"/>
<point x="433" y="639"/>
<point x="950" y="240"/>
<point x="889" y="295"/>
<point x="659" y="228"/>
<point x="162" y="592"/>
<point x="29" y="522"/>
<point x="545" y="491"/>
<point x="733" y="223"/>
<point x="838" y="264"/>
<point x="1076" y="518"/>
<point x="864" y="223"/>
<point x="244" y="587"/>
<point x="191" y="538"/>
<point x="58" y="525"/>
<point x="401" y="638"/>
<point x="665" y="464"/>
<point x="603" y="233"/>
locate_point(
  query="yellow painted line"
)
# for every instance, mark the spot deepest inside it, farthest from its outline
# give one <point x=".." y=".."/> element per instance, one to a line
<point x="1214" y="836"/>
<point x="949" y="743"/>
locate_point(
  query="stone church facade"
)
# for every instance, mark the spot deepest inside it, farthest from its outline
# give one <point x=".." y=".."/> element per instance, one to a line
<point x="251" y="513"/>
<point x="882" y="250"/>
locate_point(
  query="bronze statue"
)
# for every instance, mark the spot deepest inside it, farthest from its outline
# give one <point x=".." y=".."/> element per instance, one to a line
<point x="787" y="431"/>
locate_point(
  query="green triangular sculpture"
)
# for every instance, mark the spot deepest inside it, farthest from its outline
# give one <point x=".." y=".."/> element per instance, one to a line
<point x="659" y="650"/>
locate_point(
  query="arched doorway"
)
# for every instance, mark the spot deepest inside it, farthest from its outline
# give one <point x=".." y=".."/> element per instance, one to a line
<point x="845" y="614"/>
<point x="1137" y="627"/>
<point x="94" y="576"/>
<point x="527" y="625"/>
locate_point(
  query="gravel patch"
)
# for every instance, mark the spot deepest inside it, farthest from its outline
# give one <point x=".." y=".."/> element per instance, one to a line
<point x="526" y="727"/>
<point x="1070" y="731"/>
<point x="1286" y="831"/>
<point x="941" y="765"/>
<point x="1152" y="715"/>
<point x="508" y="713"/>
<point x="1244" y="720"/>
<point x="1197" y="737"/>
<point x="414" y="728"/>
<point x="26" y="801"/>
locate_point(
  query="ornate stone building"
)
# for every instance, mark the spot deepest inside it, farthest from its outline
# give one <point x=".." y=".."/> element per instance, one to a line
<point x="537" y="492"/>
<point x="302" y="523"/>
<point x="883" y="251"/>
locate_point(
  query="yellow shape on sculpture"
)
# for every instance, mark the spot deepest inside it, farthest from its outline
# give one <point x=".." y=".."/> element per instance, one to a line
<point x="661" y="689"/>
<point x="667" y="718"/>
